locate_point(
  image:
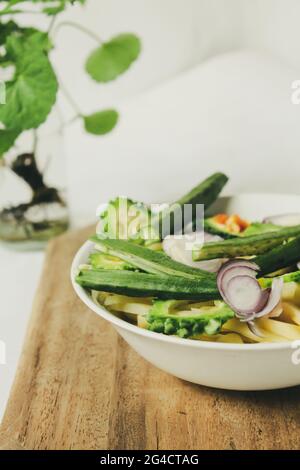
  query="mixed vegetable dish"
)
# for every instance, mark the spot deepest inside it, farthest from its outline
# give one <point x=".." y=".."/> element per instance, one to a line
<point x="234" y="280"/>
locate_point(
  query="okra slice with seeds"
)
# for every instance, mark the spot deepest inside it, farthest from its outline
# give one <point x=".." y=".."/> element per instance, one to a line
<point x="148" y="260"/>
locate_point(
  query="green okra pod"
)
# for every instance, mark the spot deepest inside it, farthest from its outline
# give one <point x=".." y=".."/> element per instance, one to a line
<point x="245" y="246"/>
<point x="138" y="284"/>
<point x="205" y="193"/>
<point x="266" y="282"/>
<point x="280" y="257"/>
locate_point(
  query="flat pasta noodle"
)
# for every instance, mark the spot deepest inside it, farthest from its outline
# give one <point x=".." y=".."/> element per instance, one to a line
<point x="220" y="338"/>
<point x="291" y="313"/>
<point x="142" y="322"/>
<point x="134" y="308"/>
<point x="99" y="297"/>
<point x="230" y="338"/>
<point x="291" y="293"/>
<point x="236" y="326"/>
<point x="276" y="327"/>
<point x="116" y="299"/>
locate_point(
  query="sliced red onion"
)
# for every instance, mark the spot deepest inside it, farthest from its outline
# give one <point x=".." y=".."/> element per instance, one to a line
<point x="228" y="276"/>
<point x="285" y="220"/>
<point x="277" y="311"/>
<point x="241" y="262"/>
<point x="260" y="305"/>
<point x="177" y="249"/>
<point x="244" y="295"/>
<point x="236" y="271"/>
<point x="239" y="288"/>
<point x="274" y="298"/>
<point x="235" y="263"/>
<point x="254" y="329"/>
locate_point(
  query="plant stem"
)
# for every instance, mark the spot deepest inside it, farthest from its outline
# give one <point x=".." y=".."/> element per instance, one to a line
<point x="70" y="99"/>
<point x="64" y="125"/>
<point x="9" y="12"/>
<point x="17" y="12"/>
<point x="81" y="28"/>
<point x="51" y="24"/>
<point x="73" y="119"/>
<point x="35" y="142"/>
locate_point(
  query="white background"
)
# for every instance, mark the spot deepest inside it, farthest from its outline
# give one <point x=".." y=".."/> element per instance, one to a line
<point x="211" y="91"/>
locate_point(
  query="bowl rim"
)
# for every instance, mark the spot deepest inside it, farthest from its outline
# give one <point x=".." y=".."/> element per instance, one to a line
<point x="118" y="322"/>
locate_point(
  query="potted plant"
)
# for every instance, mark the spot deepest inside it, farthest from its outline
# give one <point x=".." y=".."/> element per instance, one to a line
<point x="29" y="93"/>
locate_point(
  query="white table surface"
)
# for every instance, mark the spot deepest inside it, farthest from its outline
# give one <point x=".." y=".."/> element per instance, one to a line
<point x="19" y="274"/>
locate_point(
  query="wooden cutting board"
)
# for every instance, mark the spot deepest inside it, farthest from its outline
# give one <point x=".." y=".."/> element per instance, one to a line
<point x="79" y="386"/>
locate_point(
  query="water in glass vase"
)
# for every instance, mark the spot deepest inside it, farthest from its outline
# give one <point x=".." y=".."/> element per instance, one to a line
<point x="33" y="207"/>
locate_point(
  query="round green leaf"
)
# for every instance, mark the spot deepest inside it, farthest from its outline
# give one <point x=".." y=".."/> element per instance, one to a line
<point x="7" y="139"/>
<point x="102" y="122"/>
<point x="31" y="93"/>
<point x="113" y="58"/>
<point x="6" y="29"/>
<point x="57" y="5"/>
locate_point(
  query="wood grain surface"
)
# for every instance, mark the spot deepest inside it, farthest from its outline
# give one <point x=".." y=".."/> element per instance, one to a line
<point x="79" y="386"/>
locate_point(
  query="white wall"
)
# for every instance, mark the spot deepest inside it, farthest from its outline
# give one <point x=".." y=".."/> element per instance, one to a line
<point x="182" y="114"/>
<point x="273" y="25"/>
<point x="176" y="35"/>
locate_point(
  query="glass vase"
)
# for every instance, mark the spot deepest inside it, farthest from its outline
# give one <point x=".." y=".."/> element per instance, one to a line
<point x="33" y="205"/>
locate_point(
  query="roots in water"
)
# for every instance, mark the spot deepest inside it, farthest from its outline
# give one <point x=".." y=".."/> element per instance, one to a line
<point x="43" y="217"/>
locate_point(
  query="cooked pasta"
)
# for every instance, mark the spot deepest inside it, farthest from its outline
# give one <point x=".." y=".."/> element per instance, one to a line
<point x="284" y="328"/>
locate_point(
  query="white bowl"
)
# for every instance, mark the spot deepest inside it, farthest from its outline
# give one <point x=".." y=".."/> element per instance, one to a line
<point x="228" y="366"/>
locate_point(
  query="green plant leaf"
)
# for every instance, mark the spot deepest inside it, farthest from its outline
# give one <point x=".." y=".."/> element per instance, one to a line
<point x="113" y="58"/>
<point x="57" y="6"/>
<point x="6" y="29"/>
<point x="15" y="39"/>
<point x="31" y="93"/>
<point x="27" y="40"/>
<point x="101" y="122"/>
<point x="37" y="40"/>
<point x="52" y="7"/>
<point x="7" y="139"/>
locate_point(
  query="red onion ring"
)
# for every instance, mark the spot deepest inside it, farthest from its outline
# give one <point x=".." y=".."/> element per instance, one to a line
<point x="244" y="295"/>
<point x="236" y="271"/>
<point x="239" y="288"/>
<point x="274" y="298"/>
<point x="234" y="263"/>
<point x="254" y="329"/>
